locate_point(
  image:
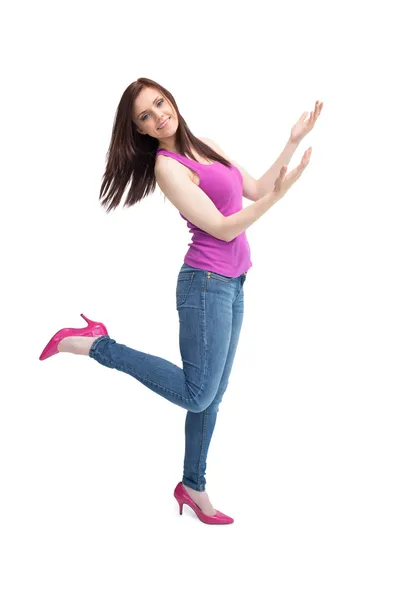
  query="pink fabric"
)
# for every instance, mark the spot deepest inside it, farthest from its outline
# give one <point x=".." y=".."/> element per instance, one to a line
<point x="224" y="186"/>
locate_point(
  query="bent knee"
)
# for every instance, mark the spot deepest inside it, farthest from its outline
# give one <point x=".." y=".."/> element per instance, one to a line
<point x="201" y="402"/>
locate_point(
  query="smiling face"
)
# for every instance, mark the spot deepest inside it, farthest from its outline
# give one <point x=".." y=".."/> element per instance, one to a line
<point x="151" y="109"/>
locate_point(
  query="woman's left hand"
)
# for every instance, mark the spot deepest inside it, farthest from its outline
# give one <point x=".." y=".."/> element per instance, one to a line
<point x="302" y="127"/>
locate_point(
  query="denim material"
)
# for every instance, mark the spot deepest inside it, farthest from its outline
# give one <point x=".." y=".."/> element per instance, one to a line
<point x="210" y="308"/>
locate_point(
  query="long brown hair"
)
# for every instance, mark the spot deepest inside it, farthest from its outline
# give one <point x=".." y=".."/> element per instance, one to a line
<point x="131" y="156"/>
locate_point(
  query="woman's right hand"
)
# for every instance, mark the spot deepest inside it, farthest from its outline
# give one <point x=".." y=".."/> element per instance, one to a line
<point x="284" y="181"/>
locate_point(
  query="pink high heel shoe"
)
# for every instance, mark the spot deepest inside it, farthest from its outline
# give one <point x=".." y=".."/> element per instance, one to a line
<point x="183" y="497"/>
<point x="92" y="330"/>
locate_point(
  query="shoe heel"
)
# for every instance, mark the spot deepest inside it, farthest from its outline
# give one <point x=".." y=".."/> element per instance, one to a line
<point x="88" y="321"/>
<point x="180" y="508"/>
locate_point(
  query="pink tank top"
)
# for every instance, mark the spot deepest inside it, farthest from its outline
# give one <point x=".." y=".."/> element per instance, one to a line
<point x="224" y="186"/>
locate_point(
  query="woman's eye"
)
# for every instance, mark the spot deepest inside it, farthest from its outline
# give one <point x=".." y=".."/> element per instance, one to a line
<point x="158" y="103"/>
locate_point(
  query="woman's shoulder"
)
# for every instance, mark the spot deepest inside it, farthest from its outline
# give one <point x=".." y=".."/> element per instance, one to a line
<point x="165" y="164"/>
<point x="217" y="149"/>
<point x="210" y="143"/>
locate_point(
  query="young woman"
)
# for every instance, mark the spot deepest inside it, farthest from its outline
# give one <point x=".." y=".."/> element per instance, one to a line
<point x="151" y="143"/>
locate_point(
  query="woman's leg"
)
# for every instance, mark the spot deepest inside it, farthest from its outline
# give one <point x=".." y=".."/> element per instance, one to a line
<point x="199" y="427"/>
<point x="201" y="314"/>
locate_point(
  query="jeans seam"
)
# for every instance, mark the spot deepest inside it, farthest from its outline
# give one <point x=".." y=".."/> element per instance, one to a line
<point x="182" y="398"/>
<point x="204" y="333"/>
<point x="202" y="443"/>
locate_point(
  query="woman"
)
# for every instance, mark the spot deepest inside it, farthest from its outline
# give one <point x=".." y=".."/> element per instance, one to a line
<point x="151" y="143"/>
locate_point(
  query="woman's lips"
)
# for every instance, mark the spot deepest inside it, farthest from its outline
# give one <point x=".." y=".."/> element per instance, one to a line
<point x="165" y="124"/>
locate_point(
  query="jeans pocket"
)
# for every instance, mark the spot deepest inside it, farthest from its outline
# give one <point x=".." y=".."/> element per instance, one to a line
<point x="183" y="286"/>
<point x="219" y="276"/>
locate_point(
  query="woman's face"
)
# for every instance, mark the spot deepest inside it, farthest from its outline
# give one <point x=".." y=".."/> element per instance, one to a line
<point x="150" y="110"/>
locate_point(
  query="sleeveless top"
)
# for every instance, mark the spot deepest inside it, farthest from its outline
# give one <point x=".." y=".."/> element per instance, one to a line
<point x="224" y="186"/>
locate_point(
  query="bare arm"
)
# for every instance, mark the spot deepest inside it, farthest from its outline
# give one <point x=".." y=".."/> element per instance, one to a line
<point x="235" y="224"/>
<point x="241" y="220"/>
<point x="199" y="209"/>
<point x="266" y="183"/>
<point x="188" y="198"/>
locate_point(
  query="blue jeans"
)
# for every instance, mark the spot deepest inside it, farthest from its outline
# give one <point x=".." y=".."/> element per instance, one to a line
<point x="210" y="308"/>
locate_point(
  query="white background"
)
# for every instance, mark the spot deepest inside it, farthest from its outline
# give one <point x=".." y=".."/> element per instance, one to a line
<point x="305" y="454"/>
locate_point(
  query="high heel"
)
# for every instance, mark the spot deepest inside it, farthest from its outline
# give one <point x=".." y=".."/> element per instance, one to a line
<point x="93" y="329"/>
<point x="182" y="497"/>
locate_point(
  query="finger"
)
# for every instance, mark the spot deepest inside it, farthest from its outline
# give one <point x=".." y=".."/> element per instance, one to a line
<point x="282" y="171"/>
<point x="280" y="178"/>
